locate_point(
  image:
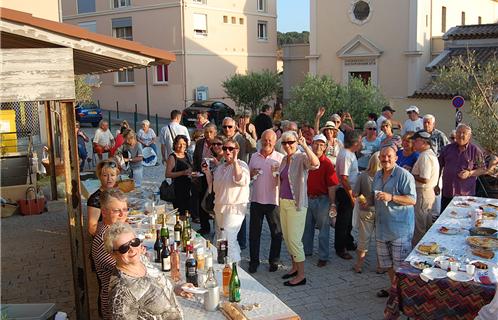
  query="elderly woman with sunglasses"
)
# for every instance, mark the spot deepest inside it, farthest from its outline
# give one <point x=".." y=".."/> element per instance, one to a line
<point x="294" y="200"/>
<point x="370" y="144"/>
<point x="230" y="183"/>
<point x="136" y="289"/>
<point x="107" y="171"/>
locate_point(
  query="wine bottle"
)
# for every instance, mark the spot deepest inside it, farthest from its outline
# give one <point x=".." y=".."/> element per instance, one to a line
<point x="234" y="287"/>
<point x="227" y="274"/>
<point x="222" y="246"/>
<point x="178" y="230"/>
<point x="158" y="246"/>
<point x="191" y="269"/>
<point x="165" y="257"/>
<point x="185" y="235"/>
<point x="175" y="262"/>
<point x="164" y="230"/>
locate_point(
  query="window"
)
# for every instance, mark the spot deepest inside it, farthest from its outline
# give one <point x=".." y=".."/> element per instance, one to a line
<point x="479" y="20"/>
<point x="365" y="76"/>
<point x="360" y="11"/>
<point x="89" y="25"/>
<point x="262" y="5"/>
<point x="161" y="75"/>
<point x="121" y="3"/>
<point x="225" y="19"/>
<point x="200" y="1"/>
<point x="241" y="20"/>
<point x="262" y="30"/>
<point x="122" y="28"/>
<point x="127" y="76"/>
<point x="234" y="20"/>
<point x="463" y="18"/>
<point x="200" y="24"/>
<point x="85" y="6"/>
<point x="443" y="19"/>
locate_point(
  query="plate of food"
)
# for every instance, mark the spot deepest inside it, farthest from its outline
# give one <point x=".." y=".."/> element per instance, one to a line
<point x="487" y="243"/>
<point x="457" y="215"/>
<point x="459" y="276"/>
<point x="489" y="215"/>
<point x="421" y="265"/>
<point x="482" y="253"/>
<point x="482" y="231"/>
<point x="434" y="273"/>
<point x="488" y="206"/>
<point x="193" y="290"/>
<point x="450" y="230"/>
<point x="430" y="249"/>
<point x="483" y="265"/>
<point x="461" y="204"/>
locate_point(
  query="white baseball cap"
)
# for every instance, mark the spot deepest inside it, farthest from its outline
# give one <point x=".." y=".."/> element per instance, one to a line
<point x="320" y="137"/>
<point x="412" y="108"/>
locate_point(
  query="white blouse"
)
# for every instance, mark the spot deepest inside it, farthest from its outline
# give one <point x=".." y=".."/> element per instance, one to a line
<point x="226" y="189"/>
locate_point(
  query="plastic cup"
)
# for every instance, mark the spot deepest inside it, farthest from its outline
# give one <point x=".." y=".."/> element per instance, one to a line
<point x="470" y="268"/>
<point x="454" y="266"/>
<point x="444" y="264"/>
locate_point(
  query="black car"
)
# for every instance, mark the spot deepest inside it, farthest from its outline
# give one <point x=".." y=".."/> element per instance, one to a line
<point x="217" y="110"/>
<point x="88" y="113"/>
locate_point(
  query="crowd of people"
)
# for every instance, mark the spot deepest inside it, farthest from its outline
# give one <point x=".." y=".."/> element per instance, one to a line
<point x="302" y="180"/>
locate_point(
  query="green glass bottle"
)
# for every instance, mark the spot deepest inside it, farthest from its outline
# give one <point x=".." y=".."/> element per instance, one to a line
<point x="164" y="231"/>
<point x="234" y="287"/>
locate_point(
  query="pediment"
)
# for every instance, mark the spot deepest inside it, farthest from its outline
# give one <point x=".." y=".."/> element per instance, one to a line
<point x="359" y="47"/>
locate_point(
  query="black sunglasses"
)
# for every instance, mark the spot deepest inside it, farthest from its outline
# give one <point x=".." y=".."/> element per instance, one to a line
<point x="288" y="142"/>
<point x="216" y="144"/>
<point x="372" y="129"/>
<point x="229" y="148"/>
<point x="227" y="127"/>
<point x="124" y="248"/>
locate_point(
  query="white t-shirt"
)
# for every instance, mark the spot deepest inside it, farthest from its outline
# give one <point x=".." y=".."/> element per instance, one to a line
<point x="166" y="138"/>
<point x="347" y="165"/>
<point x="427" y="167"/>
<point x="413" y="126"/>
<point x="103" y="138"/>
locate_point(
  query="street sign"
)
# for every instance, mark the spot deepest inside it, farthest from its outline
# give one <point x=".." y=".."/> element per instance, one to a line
<point x="457" y="102"/>
<point x="458" y="118"/>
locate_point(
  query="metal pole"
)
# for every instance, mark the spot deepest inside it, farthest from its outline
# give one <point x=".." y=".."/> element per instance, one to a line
<point x="98" y="103"/>
<point x="147" y="91"/>
<point x="135" y="116"/>
<point x="157" y="124"/>
<point x="117" y="108"/>
<point x="109" y="113"/>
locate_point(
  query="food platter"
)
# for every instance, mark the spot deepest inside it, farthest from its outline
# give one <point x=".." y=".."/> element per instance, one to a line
<point x="482" y="231"/>
<point x="435" y="249"/>
<point x="488" y="243"/>
<point x="434" y="273"/>
<point x="459" y="276"/>
<point x="450" y="230"/>
<point x="421" y="265"/>
<point x="483" y="265"/>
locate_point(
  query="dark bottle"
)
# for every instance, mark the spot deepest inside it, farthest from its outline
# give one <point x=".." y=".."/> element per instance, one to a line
<point x="158" y="246"/>
<point x="164" y="231"/>
<point x="185" y="234"/>
<point x="222" y="246"/>
<point x="191" y="269"/>
<point x="234" y="287"/>
<point x="165" y="257"/>
<point x="178" y="230"/>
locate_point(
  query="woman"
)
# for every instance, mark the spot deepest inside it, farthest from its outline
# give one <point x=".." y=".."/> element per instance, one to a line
<point x="250" y="128"/>
<point x="107" y="171"/>
<point x="146" y="136"/>
<point x="179" y="169"/>
<point x="366" y="213"/>
<point x="294" y="200"/>
<point x="131" y="151"/>
<point x="136" y="289"/>
<point x="389" y="137"/>
<point x="82" y="140"/>
<point x="407" y="156"/>
<point x="370" y="143"/>
<point x="119" y="140"/>
<point x="330" y="131"/>
<point x="230" y="183"/>
<point x="124" y="125"/>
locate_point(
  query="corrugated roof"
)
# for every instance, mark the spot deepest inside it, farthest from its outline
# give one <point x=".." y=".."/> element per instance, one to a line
<point x="476" y="31"/>
<point x="482" y="55"/>
<point x="106" y="64"/>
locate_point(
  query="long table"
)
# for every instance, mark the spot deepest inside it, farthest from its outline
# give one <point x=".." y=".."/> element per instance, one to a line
<point x="442" y="298"/>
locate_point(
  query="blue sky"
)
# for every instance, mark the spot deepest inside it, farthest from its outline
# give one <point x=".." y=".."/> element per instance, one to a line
<point x="293" y="15"/>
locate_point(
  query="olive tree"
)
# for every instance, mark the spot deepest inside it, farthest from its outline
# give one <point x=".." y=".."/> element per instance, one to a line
<point x="82" y="89"/>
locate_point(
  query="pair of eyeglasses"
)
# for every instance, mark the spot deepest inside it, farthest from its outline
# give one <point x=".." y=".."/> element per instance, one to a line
<point x="216" y="144"/>
<point x="119" y="211"/>
<point x="372" y="129"/>
<point x="229" y="148"/>
<point x="227" y="127"/>
<point x="110" y="164"/>
<point x="125" y="247"/>
<point x="289" y="143"/>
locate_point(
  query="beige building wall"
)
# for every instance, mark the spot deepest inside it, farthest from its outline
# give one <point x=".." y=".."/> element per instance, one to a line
<point x="202" y="60"/>
<point x="46" y="9"/>
<point x="296" y="66"/>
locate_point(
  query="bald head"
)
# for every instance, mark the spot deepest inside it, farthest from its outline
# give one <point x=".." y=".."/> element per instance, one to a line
<point x="268" y="139"/>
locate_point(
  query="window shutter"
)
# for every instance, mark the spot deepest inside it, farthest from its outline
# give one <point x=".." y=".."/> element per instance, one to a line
<point x="121" y="22"/>
<point x="200" y="22"/>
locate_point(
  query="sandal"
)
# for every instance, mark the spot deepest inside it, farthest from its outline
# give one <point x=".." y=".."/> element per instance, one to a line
<point x="356" y="270"/>
<point x="382" y="293"/>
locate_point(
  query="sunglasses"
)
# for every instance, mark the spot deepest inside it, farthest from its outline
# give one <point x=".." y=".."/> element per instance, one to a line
<point x="125" y="247"/>
<point x="228" y="148"/>
<point x="289" y="143"/>
<point x="216" y="144"/>
<point x="110" y="164"/>
<point x="227" y="127"/>
<point x="372" y="129"/>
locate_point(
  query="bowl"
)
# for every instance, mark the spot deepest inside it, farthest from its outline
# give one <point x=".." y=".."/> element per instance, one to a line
<point x="482" y="231"/>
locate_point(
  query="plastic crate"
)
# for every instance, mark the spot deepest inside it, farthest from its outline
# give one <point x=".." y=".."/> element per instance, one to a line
<point x="29" y="311"/>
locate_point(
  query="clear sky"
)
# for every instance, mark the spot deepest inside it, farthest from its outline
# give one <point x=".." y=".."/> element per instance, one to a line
<point x="293" y="15"/>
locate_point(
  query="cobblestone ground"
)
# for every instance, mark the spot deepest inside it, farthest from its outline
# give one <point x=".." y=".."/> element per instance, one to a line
<point x="36" y="268"/>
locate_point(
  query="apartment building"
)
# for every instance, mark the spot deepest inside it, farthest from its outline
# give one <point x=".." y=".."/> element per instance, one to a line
<point x="212" y="39"/>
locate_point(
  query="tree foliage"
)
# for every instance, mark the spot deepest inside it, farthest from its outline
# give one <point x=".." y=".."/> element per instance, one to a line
<point x="83" y="90"/>
<point x="478" y="83"/>
<point x="356" y="97"/>
<point x="253" y="90"/>
<point x="292" y="37"/>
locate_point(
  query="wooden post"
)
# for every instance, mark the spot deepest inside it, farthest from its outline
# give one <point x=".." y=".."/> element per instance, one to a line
<point x="51" y="152"/>
<point x="73" y="202"/>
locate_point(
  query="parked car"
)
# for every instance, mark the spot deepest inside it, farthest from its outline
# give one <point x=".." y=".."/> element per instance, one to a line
<point x="217" y="110"/>
<point x="88" y="113"/>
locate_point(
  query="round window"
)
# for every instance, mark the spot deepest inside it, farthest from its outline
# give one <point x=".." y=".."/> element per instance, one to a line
<point x="361" y="10"/>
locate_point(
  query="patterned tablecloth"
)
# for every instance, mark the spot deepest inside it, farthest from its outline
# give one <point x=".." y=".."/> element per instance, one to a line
<point x="442" y="298"/>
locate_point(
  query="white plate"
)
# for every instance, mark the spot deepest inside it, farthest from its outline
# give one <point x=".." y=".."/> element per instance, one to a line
<point x="435" y="273"/>
<point x="193" y="290"/>
<point x="456" y="215"/>
<point x="416" y="266"/>
<point x="459" y="276"/>
<point x="442" y="250"/>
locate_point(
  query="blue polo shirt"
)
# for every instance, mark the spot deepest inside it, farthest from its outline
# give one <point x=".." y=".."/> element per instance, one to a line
<point x="394" y="221"/>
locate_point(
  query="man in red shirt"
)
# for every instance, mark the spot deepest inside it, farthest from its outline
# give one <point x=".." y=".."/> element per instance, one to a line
<point x="321" y="201"/>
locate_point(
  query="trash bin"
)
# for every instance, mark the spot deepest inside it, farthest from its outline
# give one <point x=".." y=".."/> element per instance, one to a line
<point x="29" y="311"/>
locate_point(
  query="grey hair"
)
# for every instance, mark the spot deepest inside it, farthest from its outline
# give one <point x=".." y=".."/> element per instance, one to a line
<point x="114" y="231"/>
<point x="146" y="122"/>
<point x="288" y="125"/>
<point x="464" y="126"/>
<point x="288" y="134"/>
<point x="228" y="119"/>
<point x="270" y="132"/>
<point x="101" y="122"/>
<point x="430" y="117"/>
<point x="107" y="195"/>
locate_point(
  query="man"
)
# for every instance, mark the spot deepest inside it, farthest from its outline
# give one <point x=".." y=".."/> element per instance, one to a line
<point x="414" y="122"/>
<point x="426" y="174"/>
<point x="169" y="132"/>
<point x="387" y="114"/>
<point x="103" y="140"/>
<point x="202" y="150"/>
<point x="264" y="166"/>
<point x="321" y="200"/>
<point x="286" y="126"/>
<point x="263" y="121"/>
<point x="202" y="119"/>
<point x="114" y="208"/>
<point x="395" y="196"/>
<point x="347" y="171"/>
<point x="462" y="162"/>
<point x="247" y="146"/>
<point x="438" y="138"/>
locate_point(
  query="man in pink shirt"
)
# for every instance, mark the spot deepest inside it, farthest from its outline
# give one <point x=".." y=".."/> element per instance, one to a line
<point x="264" y="167"/>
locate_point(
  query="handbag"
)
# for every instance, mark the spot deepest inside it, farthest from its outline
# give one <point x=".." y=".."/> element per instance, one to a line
<point x="35" y="205"/>
<point x="207" y="203"/>
<point x="167" y="191"/>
